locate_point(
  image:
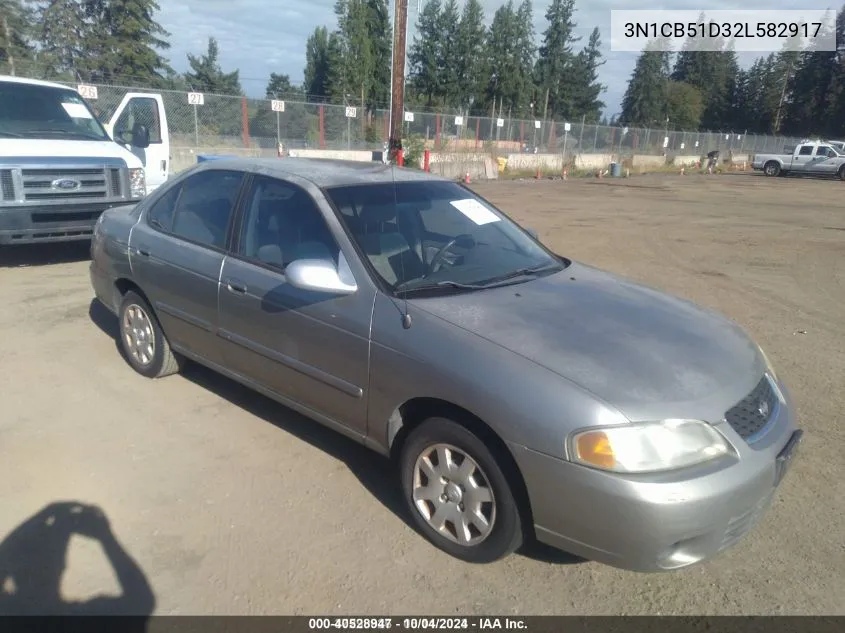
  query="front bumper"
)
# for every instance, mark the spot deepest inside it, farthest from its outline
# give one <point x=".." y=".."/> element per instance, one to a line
<point x="658" y="522"/>
<point x="35" y="224"/>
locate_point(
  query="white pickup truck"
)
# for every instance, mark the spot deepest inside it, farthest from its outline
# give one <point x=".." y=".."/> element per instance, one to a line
<point x="60" y="167"/>
<point x="816" y="158"/>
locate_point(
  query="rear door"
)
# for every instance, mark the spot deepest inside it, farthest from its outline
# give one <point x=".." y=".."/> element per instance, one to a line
<point x="177" y="251"/>
<point x="147" y="109"/>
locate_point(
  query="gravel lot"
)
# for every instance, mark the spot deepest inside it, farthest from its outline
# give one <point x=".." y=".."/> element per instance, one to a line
<point x="230" y="504"/>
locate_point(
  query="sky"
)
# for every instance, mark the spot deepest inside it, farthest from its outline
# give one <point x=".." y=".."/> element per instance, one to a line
<point x="263" y="36"/>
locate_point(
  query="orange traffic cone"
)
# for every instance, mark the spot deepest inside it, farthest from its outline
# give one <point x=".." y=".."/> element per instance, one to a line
<point x="466" y="178"/>
<point x="564" y="174"/>
<point x="682" y="171"/>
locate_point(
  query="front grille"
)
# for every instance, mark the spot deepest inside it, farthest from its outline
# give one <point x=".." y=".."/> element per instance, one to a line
<point x="91" y="184"/>
<point x="7" y="185"/>
<point x="745" y="417"/>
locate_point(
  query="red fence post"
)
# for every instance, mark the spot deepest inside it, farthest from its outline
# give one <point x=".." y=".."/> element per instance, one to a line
<point x="477" y="132"/>
<point x="400" y="158"/>
<point x="521" y="134"/>
<point x="245" y="121"/>
<point x="437" y="131"/>
<point x="322" y="127"/>
<point x="427" y="160"/>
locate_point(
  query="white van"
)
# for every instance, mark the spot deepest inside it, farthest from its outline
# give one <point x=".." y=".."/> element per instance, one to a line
<point x="60" y="168"/>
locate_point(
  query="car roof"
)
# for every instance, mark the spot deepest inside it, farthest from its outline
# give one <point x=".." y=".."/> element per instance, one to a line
<point x="323" y="172"/>
<point x="32" y="82"/>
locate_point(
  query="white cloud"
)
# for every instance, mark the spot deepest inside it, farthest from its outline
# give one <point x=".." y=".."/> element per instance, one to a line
<point x="264" y="36"/>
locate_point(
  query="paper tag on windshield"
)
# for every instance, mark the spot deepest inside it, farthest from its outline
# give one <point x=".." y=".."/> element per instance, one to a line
<point x="475" y="211"/>
<point x="77" y="110"/>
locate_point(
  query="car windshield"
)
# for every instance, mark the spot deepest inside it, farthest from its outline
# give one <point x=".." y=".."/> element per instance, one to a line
<point x="45" y="112"/>
<point x="433" y="235"/>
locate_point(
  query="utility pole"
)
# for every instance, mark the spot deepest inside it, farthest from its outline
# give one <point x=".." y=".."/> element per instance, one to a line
<point x="397" y="91"/>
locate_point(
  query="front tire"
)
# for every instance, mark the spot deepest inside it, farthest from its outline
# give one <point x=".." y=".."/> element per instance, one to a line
<point x="771" y="169"/>
<point x="142" y="340"/>
<point x="457" y="494"/>
<point x="841" y="173"/>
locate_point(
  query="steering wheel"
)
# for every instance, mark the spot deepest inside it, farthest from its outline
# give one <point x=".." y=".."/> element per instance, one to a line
<point x="440" y="255"/>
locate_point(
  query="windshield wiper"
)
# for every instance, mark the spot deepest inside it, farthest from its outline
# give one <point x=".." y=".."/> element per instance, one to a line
<point x="68" y="133"/>
<point x="440" y="285"/>
<point x="520" y="272"/>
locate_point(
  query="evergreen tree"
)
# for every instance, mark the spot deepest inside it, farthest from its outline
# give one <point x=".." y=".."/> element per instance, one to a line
<point x="62" y="39"/>
<point x="586" y="99"/>
<point x="645" y="100"/>
<point x="470" y="59"/>
<point x="526" y="50"/>
<point x="684" y="105"/>
<point x="425" y="54"/>
<point x="381" y="41"/>
<point x="207" y="76"/>
<point x="16" y="26"/>
<point x="317" y="61"/>
<point x="555" y="69"/>
<point x="123" y="42"/>
<point x="447" y="62"/>
<point x="503" y="84"/>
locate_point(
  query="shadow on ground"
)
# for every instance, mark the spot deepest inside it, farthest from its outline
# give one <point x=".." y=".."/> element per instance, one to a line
<point x="376" y="474"/>
<point x="22" y="256"/>
<point x="33" y="558"/>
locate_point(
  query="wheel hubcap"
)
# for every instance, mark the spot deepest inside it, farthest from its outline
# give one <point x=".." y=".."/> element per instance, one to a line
<point x="138" y="335"/>
<point x="453" y="494"/>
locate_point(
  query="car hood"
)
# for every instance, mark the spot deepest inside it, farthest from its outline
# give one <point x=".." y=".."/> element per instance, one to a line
<point x="648" y="354"/>
<point x="51" y="149"/>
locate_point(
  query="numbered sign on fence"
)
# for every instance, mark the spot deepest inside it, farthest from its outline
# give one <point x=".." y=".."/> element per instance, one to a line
<point x="537" y="125"/>
<point x="277" y="106"/>
<point x="351" y="112"/>
<point x="665" y="142"/>
<point x="409" y="117"/>
<point x="500" y="123"/>
<point x="87" y="92"/>
<point x="196" y="98"/>
<point x="683" y="145"/>
<point x="696" y="143"/>
<point x="459" y="120"/>
<point x="567" y="127"/>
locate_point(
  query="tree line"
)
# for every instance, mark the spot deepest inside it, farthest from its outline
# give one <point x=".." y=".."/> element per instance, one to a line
<point x="455" y="62"/>
<point x="792" y="92"/>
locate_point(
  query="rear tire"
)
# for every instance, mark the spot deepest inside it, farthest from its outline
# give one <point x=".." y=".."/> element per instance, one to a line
<point x="142" y="340"/>
<point x="771" y="168"/>
<point x="465" y="508"/>
<point x="841" y="173"/>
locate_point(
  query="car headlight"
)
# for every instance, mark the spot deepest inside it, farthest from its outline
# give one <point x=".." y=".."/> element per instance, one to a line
<point x="137" y="183"/>
<point x="648" y="447"/>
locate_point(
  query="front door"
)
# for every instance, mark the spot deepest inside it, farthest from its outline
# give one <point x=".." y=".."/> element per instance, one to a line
<point x="148" y="110"/>
<point x="177" y="250"/>
<point x="311" y="348"/>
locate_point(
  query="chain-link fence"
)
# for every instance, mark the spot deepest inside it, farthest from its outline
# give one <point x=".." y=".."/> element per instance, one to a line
<point x="236" y="122"/>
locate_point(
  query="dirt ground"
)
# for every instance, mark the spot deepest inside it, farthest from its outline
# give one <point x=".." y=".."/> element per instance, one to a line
<point x="230" y="504"/>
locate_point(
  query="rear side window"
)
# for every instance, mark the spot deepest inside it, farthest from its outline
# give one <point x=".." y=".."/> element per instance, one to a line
<point x="200" y="208"/>
<point x="806" y="150"/>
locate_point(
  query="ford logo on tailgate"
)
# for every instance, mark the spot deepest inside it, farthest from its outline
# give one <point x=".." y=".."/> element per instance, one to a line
<point x="66" y="184"/>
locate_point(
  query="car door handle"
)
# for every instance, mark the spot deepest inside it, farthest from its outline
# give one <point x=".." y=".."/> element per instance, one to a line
<point x="142" y="252"/>
<point x="236" y="286"/>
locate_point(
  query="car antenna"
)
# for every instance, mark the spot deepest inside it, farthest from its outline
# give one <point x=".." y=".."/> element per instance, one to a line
<point x="406" y="317"/>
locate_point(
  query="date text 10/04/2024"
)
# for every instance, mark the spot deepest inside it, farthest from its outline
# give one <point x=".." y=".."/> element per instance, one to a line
<point x="417" y="623"/>
<point x="724" y="29"/>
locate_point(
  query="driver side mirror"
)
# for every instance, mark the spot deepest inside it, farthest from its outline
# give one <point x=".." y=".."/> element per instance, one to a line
<point x="317" y="275"/>
<point x="140" y="136"/>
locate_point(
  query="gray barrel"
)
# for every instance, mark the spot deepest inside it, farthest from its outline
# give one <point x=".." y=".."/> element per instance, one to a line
<point x="616" y="170"/>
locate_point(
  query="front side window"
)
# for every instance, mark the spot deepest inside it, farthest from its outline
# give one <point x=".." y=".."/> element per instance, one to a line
<point x="139" y="110"/>
<point x="282" y="223"/>
<point x="437" y="234"/>
<point x="199" y="208"/>
<point x="45" y="112"/>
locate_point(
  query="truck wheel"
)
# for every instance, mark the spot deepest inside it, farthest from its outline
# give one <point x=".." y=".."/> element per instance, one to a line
<point x="457" y="494"/>
<point x="841" y="173"/>
<point x="771" y="168"/>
